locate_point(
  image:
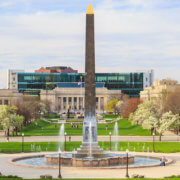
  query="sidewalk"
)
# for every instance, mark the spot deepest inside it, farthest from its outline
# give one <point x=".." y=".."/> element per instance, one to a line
<point x="79" y="138"/>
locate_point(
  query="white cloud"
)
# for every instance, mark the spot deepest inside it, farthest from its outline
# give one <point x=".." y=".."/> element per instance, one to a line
<point x="127" y="38"/>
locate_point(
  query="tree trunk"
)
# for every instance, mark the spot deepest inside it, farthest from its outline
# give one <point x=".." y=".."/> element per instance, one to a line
<point x="160" y="135"/>
<point x="8" y="132"/>
<point x="16" y="131"/>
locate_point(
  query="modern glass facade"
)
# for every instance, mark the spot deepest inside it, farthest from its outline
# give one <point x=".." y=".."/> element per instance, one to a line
<point x="129" y="83"/>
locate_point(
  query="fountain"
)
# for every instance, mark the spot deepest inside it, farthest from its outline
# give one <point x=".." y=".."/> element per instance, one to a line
<point x="61" y="137"/>
<point x="90" y="154"/>
<point x="116" y="136"/>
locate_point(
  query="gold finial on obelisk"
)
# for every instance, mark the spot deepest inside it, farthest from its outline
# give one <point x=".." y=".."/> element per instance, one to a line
<point x="90" y="9"/>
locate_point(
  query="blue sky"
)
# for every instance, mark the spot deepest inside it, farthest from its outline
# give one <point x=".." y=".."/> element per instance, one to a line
<point x="130" y="35"/>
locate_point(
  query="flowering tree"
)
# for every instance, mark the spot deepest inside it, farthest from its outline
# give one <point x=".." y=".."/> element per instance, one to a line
<point x="151" y="116"/>
<point x="111" y="105"/>
<point x="166" y="121"/>
<point x="118" y="106"/>
<point x="9" y="118"/>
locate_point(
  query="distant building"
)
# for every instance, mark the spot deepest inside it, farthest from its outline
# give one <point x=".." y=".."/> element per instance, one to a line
<point x="158" y="88"/>
<point x="12" y="78"/>
<point x="9" y="97"/>
<point x="72" y="95"/>
<point x="56" y="69"/>
<point x="129" y="83"/>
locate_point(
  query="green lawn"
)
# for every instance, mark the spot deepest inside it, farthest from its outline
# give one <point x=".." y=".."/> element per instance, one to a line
<point x="46" y="129"/>
<point x="160" y="147"/>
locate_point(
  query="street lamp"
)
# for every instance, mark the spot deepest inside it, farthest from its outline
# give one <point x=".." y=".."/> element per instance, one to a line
<point x="127" y="151"/>
<point x="110" y="141"/>
<point x="59" y="176"/>
<point x="22" y="142"/>
<point x="153" y="142"/>
<point x="65" y="141"/>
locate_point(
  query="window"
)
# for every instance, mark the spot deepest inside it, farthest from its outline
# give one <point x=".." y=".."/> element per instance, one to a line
<point x="6" y="102"/>
<point x="0" y="102"/>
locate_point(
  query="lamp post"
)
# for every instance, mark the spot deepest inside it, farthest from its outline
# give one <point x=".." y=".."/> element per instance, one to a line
<point x="153" y="142"/>
<point x="109" y="141"/>
<point x="127" y="174"/>
<point x="59" y="176"/>
<point x="22" y="142"/>
<point x="65" y="141"/>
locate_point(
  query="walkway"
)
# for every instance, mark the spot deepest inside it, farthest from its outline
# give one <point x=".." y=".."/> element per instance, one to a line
<point x="153" y="172"/>
<point x="79" y="138"/>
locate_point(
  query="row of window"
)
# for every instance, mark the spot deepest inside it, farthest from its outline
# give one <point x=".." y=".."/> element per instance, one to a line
<point x="32" y="77"/>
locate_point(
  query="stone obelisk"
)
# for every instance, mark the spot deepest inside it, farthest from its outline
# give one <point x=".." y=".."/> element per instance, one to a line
<point x="90" y="94"/>
<point x="90" y="146"/>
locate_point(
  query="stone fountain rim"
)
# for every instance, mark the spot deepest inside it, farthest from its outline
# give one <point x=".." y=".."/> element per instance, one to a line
<point x="13" y="162"/>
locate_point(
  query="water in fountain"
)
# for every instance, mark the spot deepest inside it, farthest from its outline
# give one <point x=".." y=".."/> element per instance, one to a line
<point x="90" y="139"/>
<point x="134" y="149"/>
<point x="116" y="136"/>
<point x="148" y="152"/>
<point x="61" y="137"/>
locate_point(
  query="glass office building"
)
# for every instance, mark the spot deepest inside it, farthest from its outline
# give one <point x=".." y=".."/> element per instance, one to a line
<point x="129" y="83"/>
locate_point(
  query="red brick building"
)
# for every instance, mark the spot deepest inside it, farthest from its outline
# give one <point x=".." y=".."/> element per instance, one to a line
<point x="56" y="69"/>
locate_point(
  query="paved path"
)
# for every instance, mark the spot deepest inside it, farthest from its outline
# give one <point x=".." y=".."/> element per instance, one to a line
<point x="79" y="138"/>
<point x="152" y="172"/>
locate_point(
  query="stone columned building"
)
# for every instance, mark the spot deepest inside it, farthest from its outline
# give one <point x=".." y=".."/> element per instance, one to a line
<point x="72" y="95"/>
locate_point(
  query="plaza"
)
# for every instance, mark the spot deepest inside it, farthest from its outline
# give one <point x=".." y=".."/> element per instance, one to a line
<point x="150" y="172"/>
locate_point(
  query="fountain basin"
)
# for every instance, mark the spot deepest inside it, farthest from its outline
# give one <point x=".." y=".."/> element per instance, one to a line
<point x="70" y="160"/>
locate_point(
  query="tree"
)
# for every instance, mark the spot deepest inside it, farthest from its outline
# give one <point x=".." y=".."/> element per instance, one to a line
<point x="111" y="105"/>
<point x="147" y="115"/>
<point x="151" y="116"/>
<point x="118" y="106"/>
<point x="16" y="122"/>
<point x="9" y="119"/>
<point x="30" y="107"/>
<point x="131" y="106"/>
<point x="166" y="121"/>
<point x="173" y="102"/>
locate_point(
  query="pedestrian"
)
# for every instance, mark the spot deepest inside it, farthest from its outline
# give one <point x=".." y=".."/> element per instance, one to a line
<point x="69" y="138"/>
<point x="163" y="161"/>
<point x="106" y="127"/>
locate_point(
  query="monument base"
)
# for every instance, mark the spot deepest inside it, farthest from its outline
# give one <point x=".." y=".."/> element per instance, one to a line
<point x="94" y="162"/>
<point x="90" y="150"/>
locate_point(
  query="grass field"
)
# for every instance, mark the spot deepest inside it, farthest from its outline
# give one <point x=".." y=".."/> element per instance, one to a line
<point x="160" y="147"/>
<point x="46" y="129"/>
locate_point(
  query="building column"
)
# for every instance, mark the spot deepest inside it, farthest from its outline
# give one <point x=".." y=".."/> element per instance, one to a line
<point x="61" y="104"/>
<point x="72" y="99"/>
<point x="99" y="104"/>
<point x="67" y="102"/>
<point x="77" y="103"/>
<point x="83" y="103"/>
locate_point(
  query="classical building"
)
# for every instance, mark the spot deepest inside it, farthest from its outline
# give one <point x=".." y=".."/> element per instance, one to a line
<point x="72" y="95"/>
<point x="32" y="83"/>
<point x="158" y="88"/>
<point x="56" y="69"/>
<point x="9" y="97"/>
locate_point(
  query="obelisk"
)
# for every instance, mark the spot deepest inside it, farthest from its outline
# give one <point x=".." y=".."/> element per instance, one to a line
<point x="90" y="147"/>
<point x="90" y="91"/>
